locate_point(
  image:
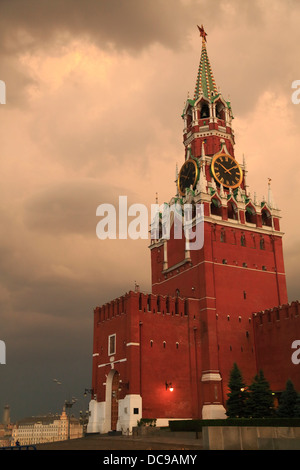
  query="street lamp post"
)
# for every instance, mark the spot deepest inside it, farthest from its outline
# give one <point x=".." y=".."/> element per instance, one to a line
<point x="84" y="418"/>
<point x="68" y="405"/>
<point x="89" y="390"/>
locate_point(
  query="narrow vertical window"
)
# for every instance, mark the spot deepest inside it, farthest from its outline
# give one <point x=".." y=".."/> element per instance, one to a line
<point x="111" y="345"/>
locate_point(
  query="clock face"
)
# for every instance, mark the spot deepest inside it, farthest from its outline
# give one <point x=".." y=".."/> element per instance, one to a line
<point x="187" y="176"/>
<point x="226" y="170"/>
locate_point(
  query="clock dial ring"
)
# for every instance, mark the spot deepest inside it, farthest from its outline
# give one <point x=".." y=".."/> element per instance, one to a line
<point x="188" y="175"/>
<point x="226" y="170"/>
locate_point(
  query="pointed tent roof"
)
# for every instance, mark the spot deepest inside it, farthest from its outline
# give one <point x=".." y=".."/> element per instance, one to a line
<point x="205" y="82"/>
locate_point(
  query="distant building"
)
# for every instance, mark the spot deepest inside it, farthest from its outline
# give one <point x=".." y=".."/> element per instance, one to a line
<point x="40" y="429"/>
<point x="5" y="428"/>
<point x="6" y="415"/>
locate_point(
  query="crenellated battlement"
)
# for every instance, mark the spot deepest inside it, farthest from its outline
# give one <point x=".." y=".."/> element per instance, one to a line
<point x="164" y="304"/>
<point x="142" y="301"/>
<point x="111" y="309"/>
<point x="280" y="313"/>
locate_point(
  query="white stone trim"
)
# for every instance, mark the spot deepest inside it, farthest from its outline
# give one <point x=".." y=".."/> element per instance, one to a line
<point x="213" y="411"/>
<point x="211" y="376"/>
<point x="220" y="264"/>
<point x="160" y="422"/>
<point x="114" y="362"/>
<point x="232" y="223"/>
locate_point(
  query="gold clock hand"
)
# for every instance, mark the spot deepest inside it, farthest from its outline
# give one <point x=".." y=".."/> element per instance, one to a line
<point x="228" y="171"/>
<point x="222" y="166"/>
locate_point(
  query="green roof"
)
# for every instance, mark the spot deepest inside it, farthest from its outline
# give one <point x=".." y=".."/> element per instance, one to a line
<point x="205" y="82"/>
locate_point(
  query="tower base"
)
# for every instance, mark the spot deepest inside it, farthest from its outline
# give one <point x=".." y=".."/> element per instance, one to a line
<point x="213" y="412"/>
<point x="129" y="413"/>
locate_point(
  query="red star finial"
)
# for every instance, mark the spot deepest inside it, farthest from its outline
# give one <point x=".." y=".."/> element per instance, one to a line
<point x="203" y="34"/>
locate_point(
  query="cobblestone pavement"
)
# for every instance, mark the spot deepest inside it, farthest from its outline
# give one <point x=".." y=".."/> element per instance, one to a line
<point x="98" y="442"/>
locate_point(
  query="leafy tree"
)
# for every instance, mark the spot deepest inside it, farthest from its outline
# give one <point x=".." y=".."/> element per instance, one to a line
<point x="237" y="395"/>
<point x="260" y="403"/>
<point x="287" y="401"/>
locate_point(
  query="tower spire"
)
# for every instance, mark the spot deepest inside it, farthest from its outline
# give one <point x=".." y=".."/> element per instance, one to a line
<point x="205" y="82"/>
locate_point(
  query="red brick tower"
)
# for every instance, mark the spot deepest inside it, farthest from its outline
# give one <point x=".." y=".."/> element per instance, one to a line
<point x="198" y="320"/>
<point x="240" y="268"/>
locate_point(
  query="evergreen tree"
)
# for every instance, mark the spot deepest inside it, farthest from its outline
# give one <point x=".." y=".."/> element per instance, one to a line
<point x="287" y="402"/>
<point x="297" y="407"/>
<point x="237" y="395"/>
<point x="260" y="403"/>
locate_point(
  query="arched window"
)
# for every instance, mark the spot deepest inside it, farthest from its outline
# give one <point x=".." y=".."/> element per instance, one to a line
<point x="266" y="218"/>
<point x="186" y="308"/>
<point x="204" y="111"/>
<point x="220" y="111"/>
<point x="232" y="211"/>
<point x="250" y="214"/>
<point x="189" y="117"/>
<point x="194" y="210"/>
<point x="215" y="207"/>
<point x="176" y="306"/>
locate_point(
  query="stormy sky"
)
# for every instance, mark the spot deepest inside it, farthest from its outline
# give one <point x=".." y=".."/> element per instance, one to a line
<point x="94" y="96"/>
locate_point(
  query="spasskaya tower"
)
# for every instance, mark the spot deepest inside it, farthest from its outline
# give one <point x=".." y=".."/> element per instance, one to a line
<point x="168" y="354"/>
<point x="240" y="268"/>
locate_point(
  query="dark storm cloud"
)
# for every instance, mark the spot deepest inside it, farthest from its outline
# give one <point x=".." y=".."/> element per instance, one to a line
<point x="95" y="90"/>
<point x="129" y="24"/>
<point x="70" y="207"/>
<point x="28" y="26"/>
<point x="65" y="208"/>
<point x="133" y="25"/>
